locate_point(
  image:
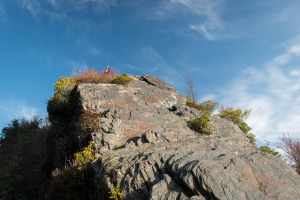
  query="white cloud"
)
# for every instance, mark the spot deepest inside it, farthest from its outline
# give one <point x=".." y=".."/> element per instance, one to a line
<point x="15" y="109"/>
<point x="58" y="10"/>
<point x="33" y="6"/>
<point x="272" y="92"/>
<point x="94" y="51"/>
<point x="202" y="29"/>
<point x="76" y="66"/>
<point x="210" y="23"/>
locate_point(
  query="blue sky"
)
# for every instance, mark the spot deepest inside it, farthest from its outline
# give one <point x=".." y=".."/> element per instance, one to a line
<point x="242" y="53"/>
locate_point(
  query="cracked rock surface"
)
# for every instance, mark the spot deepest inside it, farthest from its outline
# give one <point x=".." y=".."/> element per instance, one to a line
<point x="162" y="159"/>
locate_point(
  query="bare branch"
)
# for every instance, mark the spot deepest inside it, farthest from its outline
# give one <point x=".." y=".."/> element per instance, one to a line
<point x="292" y="147"/>
<point x="190" y="88"/>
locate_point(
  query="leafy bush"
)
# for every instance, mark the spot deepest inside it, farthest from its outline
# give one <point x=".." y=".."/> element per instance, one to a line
<point x="122" y="80"/>
<point x="200" y="125"/>
<point x="57" y="106"/>
<point x="267" y="149"/>
<point x="116" y="193"/>
<point x="63" y="87"/>
<point x="84" y="157"/>
<point x="206" y="106"/>
<point x="75" y="181"/>
<point x="57" y="109"/>
<point x="73" y="184"/>
<point x="22" y="154"/>
<point x="93" y="76"/>
<point x="238" y="117"/>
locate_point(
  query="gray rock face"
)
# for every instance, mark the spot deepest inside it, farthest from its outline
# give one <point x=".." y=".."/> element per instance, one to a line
<point x="162" y="159"/>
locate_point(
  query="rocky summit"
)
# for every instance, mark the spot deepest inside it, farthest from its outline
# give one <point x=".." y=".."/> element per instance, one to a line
<point x="149" y="152"/>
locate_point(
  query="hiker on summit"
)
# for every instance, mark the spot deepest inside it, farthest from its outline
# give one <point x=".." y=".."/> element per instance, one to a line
<point x="107" y="70"/>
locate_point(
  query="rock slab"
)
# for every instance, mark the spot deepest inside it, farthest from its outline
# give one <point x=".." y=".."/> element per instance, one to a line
<point x="148" y="150"/>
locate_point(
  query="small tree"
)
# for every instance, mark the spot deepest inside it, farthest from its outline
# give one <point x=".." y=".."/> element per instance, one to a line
<point x="291" y="146"/>
<point x="267" y="149"/>
<point x="191" y="94"/>
<point x="238" y="117"/>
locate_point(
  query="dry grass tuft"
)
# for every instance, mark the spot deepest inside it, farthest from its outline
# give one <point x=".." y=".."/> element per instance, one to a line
<point x="93" y="76"/>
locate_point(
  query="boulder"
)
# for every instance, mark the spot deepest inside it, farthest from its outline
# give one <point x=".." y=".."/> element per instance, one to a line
<point x="148" y="150"/>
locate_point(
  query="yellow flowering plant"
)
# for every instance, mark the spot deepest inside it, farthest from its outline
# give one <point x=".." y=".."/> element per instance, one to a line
<point x="63" y="87"/>
<point x="87" y="155"/>
<point x="116" y="193"/>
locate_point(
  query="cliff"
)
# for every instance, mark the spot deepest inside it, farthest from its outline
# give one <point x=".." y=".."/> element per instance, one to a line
<point x="148" y="150"/>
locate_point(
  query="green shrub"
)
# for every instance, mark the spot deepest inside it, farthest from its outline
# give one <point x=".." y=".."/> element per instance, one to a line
<point x="76" y="180"/>
<point x="73" y="184"/>
<point x="122" y="80"/>
<point x="84" y="157"/>
<point x="57" y="109"/>
<point x="57" y="106"/>
<point x="116" y="193"/>
<point x="238" y="117"/>
<point x="63" y="87"/>
<point x="22" y="154"/>
<point x="200" y="125"/>
<point x="206" y="106"/>
<point x="267" y="149"/>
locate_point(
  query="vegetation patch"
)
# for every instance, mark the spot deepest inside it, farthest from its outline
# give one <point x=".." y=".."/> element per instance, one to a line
<point x="238" y="117"/>
<point x="207" y="106"/>
<point x="93" y="76"/>
<point x="200" y="125"/>
<point x="84" y="157"/>
<point x="89" y="121"/>
<point x="122" y="80"/>
<point x="75" y="181"/>
<point x="24" y="166"/>
<point x="267" y="149"/>
<point x="73" y="184"/>
<point x="116" y="193"/>
<point x="57" y="106"/>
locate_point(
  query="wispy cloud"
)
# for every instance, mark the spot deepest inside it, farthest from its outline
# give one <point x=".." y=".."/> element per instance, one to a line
<point x="272" y="92"/>
<point x="15" y="109"/>
<point x="205" y="15"/>
<point x="33" y="6"/>
<point x="58" y="10"/>
<point x="156" y="64"/>
<point x="76" y="65"/>
<point x="210" y="11"/>
<point x="2" y="13"/>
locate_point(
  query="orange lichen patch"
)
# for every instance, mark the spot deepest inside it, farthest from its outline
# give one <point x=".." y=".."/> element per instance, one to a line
<point x="263" y="186"/>
<point x="152" y="98"/>
<point x="270" y="180"/>
<point x="130" y="133"/>
<point x="130" y="101"/>
<point x="143" y="127"/>
<point x="247" y="183"/>
<point x="248" y="173"/>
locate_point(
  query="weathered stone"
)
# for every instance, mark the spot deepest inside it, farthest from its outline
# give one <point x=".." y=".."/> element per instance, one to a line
<point x="163" y="159"/>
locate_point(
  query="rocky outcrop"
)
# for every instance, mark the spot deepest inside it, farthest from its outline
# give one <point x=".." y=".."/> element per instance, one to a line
<point x="148" y="150"/>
